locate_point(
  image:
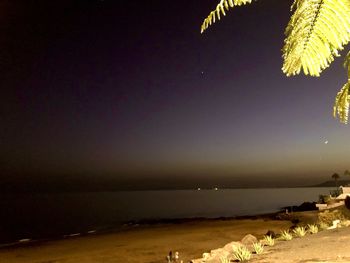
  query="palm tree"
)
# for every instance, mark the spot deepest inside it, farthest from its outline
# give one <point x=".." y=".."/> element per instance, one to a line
<point x="346" y="173"/>
<point x="336" y="176"/>
<point x="317" y="30"/>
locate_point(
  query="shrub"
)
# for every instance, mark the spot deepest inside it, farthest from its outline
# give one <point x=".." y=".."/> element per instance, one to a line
<point x="224" y="260"/>
<point x="347" y="202"/>
<point x="270" y="241"/>
<point x="258" y="248"/>
<point x="323" y="225"/>
<point x="313" y="229"/>
<point x="300" y="231"/>
<point x="285" y="235"/>
<point x="328" y="217"/>
<point x="241" y="253"/>
<point x="322" y="199"/>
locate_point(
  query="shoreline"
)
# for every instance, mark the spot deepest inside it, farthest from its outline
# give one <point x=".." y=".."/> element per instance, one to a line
<point x="144" y="243"/>
<point x="144" y="223"/>
<point x="149" y="242"/>
<point x="135" y="224"/>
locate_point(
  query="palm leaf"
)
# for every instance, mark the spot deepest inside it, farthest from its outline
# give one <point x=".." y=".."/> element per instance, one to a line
<point x="341" y="105"/>
<point x="342" y="100"/>
<point x="220" y="9"/>
<point x="347" y="63"/>
<point x="318" y="29"/>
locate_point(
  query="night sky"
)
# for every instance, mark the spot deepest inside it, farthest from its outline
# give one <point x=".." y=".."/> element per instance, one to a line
<point x="128" y="94"/>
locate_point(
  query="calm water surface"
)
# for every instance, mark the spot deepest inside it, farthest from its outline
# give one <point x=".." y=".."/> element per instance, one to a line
<point x="54" y="215"/>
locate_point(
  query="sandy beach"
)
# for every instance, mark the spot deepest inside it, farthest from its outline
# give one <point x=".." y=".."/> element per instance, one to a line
<point x="328" y="246"/>
<point x="143" y="243"/>
<point x="191" y="238"/>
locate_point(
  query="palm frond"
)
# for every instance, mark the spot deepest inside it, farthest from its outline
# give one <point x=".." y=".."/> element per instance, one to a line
<point x="220" y="9"/>
<point x="342" y="100"/>
<point x="347" y="63"/>
<point x="318" y="29"/>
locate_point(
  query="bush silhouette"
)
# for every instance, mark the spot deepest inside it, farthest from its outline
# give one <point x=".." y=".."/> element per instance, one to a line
<point x="347" y="202"/>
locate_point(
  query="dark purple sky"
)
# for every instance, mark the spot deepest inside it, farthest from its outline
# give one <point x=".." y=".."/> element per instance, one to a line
<point x="130" y="92"/>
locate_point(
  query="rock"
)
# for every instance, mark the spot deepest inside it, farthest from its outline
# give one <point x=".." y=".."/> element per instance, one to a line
<point x="206" y="255"/>
<point x="215" y="256"/>
<point x="335" y="224"/>
<point x="215" y="252"/>
<point x="229" y="247"/>
<point x="219" y="252"/>
<point x="249" y="240"/>
<point x="307" y="206"/>
<point x="201" y="260"/>
<point x="271" y="233"/>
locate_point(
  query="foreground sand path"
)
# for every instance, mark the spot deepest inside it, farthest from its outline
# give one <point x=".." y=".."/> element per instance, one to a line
<point x="143" y="244"/>
<point x="326" y="247"/>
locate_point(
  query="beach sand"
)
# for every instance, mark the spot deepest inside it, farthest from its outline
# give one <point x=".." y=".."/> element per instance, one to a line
<point x="143" y="243"/>
<point x="327" y="246"/>
<point x="151" y="243"/>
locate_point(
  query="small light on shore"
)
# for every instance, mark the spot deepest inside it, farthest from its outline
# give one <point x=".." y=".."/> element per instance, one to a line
<point x="215" y="188"/>
<point x="198" y="188"/>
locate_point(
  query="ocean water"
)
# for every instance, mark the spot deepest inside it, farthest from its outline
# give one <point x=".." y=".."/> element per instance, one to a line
<point x="41" y="216"/>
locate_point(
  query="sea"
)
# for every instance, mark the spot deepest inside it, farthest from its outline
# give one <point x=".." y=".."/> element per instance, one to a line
<point x="57" y="215"/>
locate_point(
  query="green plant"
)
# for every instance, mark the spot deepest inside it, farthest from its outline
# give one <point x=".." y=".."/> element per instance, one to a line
<point x="315" y="34"/>
<point x="323" y="225"/>
<point x="224" y="260"/>
<point x="258" y="248"/>
<point x="299" y="231"/>
<point x="241" y="253"/>
<point x="270" y="241"/>
<point x="328" y="216"/>
<point x="313" y="229"/>
<point x="285" y="235"/>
